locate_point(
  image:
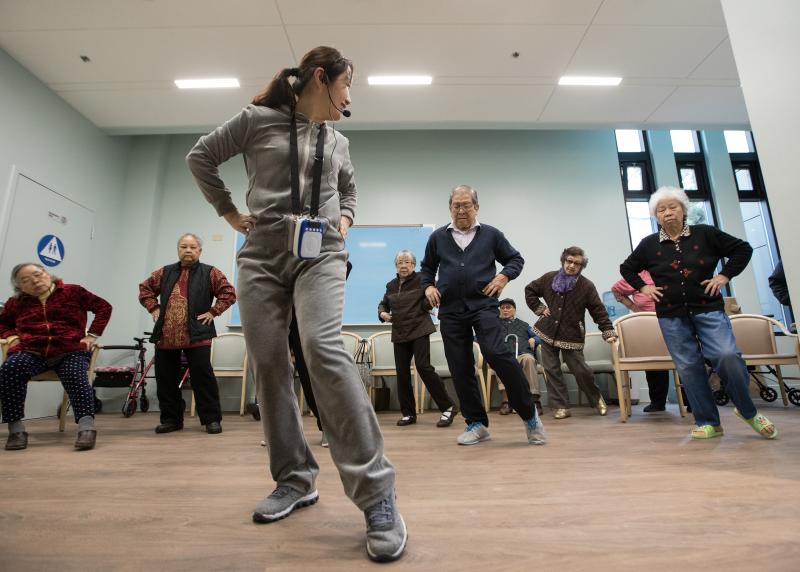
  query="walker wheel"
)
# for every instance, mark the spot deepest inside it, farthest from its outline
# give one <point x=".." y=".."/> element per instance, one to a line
<point x="768" y="394"/>
<point x="129" y="408"/>
<point x="721" y="397"/>
<point x="144" y="404"/>
<point x="794" y="396"/>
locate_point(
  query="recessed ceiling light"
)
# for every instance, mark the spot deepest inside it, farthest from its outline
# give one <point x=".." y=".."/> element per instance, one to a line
<point x="399" y="80"/>
<point x="588" y="80"/>
<point x="209" y="83"/>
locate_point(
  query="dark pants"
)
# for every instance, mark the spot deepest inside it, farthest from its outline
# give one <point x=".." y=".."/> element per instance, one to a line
<point x="204" y="384"/>
<point x="20" y="367"/>
<point x="302" y="369"/>
<point x="658" y="384"/>
<point x="457" y="333"/>
<point x="420" y="349"/>
<point x="558" y="394"/>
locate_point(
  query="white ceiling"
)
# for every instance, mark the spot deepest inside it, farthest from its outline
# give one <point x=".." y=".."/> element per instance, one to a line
<point x="674" y="56"/>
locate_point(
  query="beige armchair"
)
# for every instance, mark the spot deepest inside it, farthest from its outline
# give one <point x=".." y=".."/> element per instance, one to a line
<point x="755" y="337"/>
<point x="640" y="346"/>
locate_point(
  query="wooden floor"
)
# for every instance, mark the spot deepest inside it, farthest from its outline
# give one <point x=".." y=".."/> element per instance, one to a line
<point x="600" y="496"/>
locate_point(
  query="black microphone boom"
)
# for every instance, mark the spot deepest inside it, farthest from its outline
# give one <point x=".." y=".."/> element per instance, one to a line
<point x="345" y="112"/>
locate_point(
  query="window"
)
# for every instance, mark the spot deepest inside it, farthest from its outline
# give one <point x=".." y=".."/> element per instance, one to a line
<point x="684" y="141"/>
<point x="739" y="142"/>
<point x="638" y="184"/>
<point x="757" y="219"/>
<point x="691" y="165"/>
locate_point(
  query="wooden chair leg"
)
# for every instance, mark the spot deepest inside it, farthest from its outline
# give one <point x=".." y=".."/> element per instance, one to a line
<point x="779" y="375"/>
<point x="192" y="408"/>
<point x="301" y="400"/>
<point x="679" y="393"/>
<point x="628" y="397"/>
<point x="62" y="418"/>
<point x="244" y="394"/>
<point x="620" y="394"/>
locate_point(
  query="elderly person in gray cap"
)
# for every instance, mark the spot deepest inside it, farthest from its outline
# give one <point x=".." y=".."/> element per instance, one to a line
<point x="404" y="305"/>
<point x="682" y="258"/>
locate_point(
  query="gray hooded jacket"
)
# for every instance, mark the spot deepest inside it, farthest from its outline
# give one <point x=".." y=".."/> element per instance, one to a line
<point x="261" y="134"/>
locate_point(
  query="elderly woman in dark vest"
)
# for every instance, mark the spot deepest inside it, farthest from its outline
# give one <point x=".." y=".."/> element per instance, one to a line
<point x="405" y="306"/>
<point x="180" y="298"/>
<point x="682" y="258"/>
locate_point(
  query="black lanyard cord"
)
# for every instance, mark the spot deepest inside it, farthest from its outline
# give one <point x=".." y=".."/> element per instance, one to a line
<point x="295" y="170"/>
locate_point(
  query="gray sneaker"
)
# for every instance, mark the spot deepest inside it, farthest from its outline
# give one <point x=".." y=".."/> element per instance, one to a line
<point x="474" y="434"/>
<point x="535" y="430"/>
<point x="281" y="502"/>
<point x="386" y="531"/>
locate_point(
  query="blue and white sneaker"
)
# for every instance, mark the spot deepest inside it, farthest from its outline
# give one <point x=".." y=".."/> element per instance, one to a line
<point x="535" y="430"/>
<point x="474" y="434"/>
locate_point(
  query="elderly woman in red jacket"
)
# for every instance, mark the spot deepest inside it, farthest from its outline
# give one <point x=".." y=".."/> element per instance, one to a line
<point x="44" y="324"/>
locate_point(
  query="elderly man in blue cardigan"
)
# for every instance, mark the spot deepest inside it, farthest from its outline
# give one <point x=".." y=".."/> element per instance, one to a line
<point x="465" y="254"/>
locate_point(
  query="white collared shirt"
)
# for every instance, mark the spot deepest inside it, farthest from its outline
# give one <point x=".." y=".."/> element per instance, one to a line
<point x="463" y="237"/>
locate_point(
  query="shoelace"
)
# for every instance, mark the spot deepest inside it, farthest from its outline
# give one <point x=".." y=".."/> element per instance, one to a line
<point x="380" y="515"/>
<point x="280" y="492"/>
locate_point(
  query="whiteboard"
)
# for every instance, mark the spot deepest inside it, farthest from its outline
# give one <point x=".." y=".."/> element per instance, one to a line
<point x="372" y="250"/>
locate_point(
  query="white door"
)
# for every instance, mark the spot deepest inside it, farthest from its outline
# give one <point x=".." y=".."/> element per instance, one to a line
<point x="37" y="214"/>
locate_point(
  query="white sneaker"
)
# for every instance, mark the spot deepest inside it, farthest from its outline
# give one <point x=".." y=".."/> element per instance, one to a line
<point x="535" y="430"/>
<point x="474" y="434"/>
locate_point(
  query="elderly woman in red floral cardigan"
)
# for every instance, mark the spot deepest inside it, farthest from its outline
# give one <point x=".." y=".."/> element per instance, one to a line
<point x="45" y="326"/>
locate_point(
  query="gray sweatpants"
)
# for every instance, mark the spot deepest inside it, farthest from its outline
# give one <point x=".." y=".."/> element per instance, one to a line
<point x="271" y="280"/>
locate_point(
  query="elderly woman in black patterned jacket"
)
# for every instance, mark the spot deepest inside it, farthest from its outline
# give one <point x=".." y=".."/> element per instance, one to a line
<point x="682" y="259"/>
<point x="567" y="296"/>
<point x="405" y="306"/>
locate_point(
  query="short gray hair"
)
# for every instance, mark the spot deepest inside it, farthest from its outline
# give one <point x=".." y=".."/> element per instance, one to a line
<point x="406" y="253"/>
<point x="18" y="267"/>
<point x="464" y="189"/>
<point x="669" y="193"/>
<point x="193" y="235"/>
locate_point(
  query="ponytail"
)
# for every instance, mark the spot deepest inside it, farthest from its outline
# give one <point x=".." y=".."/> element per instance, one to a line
<point x="282" y="91"/>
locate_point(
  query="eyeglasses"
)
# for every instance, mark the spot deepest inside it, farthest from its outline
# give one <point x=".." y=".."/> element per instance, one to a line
<point x="465" y="207"/>
<point x="30" y="279"/>
<point x="573" y="262"/>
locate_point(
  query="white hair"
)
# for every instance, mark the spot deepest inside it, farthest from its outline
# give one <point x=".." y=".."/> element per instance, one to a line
<point x="669" y="193"/>
<point x="192" y="235"/>
<point x="406" y="253"/>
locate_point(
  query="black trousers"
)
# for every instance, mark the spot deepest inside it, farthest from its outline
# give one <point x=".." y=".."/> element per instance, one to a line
<point x="457" y="333"/>
<point x="658" y="384"/>
<point x="420" y="349"/>
<point x="302" y="368"/>
<point x="204" y="384"/>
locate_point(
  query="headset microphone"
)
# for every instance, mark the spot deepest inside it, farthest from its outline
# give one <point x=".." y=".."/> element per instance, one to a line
<point x="345" y="112"/>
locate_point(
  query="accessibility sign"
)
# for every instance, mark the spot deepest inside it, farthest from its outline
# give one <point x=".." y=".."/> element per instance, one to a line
<point x="51" y="250"/>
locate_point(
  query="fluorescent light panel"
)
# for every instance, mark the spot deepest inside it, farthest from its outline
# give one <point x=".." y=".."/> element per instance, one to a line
<point x="209" y="83"/>
<point x="588" y="80"/>
<point x="399" y="80"/>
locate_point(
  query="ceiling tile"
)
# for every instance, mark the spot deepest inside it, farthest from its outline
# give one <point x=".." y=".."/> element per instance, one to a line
<point x="644" y="51"/>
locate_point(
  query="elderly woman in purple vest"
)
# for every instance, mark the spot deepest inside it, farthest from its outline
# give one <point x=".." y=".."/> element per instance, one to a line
<point x="561" y="299"/>
<point x="682" y="258"/>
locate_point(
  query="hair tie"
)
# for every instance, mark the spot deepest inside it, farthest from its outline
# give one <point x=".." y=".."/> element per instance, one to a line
<point x="291" y="72"/>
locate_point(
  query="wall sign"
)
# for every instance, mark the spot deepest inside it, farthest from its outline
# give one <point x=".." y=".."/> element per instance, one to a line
<point x="51" y="250"/>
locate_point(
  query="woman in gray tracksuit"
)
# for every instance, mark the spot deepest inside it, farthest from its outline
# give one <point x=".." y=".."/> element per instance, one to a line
<point x="272" y="279"/>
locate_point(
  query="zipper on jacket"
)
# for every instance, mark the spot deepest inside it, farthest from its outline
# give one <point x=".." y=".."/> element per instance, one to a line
<point x="46" y="323"/>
